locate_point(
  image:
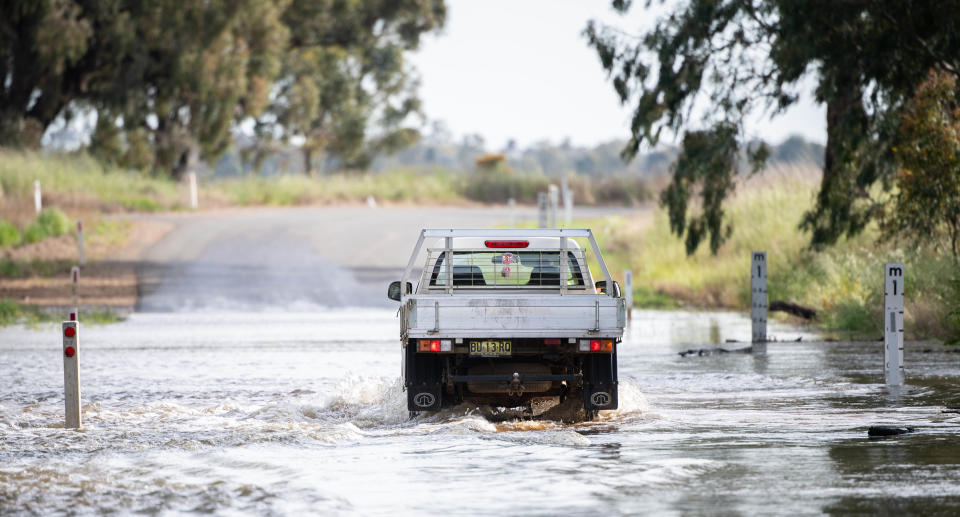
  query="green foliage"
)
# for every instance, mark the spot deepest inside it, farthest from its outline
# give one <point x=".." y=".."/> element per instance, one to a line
<point x="50" y="223"/>
<point x="843" y="283"/>
<point x="168" y="80"/>
<point x="9" y="312"/>
<point x="707" y="158"/>
<point x="926" y="207"/>
<point x="737" y="57"/>
<point x="9" y="234"/>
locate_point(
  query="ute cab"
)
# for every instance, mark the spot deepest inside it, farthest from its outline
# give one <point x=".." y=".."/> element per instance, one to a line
<point x="510" y="318"/>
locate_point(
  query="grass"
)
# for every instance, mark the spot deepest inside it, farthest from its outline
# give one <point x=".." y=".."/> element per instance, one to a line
<point x="78" y="177"/>
<point x="75" y="179"/>
<point x="12" y="313"/>
<point x="843" y="283"/>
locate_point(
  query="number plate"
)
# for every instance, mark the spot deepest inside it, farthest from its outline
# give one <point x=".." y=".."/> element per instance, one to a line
<point x="491" y="348"/>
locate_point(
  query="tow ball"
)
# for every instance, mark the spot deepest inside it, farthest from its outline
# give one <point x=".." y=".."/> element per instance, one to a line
<point x="516" y="389"/>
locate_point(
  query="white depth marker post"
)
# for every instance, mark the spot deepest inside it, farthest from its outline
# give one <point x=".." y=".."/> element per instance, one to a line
<point x="893" y="324"/>
<point x="81" y="254"/>
<point x="628" y="292"/>
<point x="554" y="197"/>
<point x="758" y="300"/>
<point x="71" y="373"/>
<point x="37" y="199"/>
<point x="567" y="197"/>
<point x="512" y="207"/>
<point x="192" y="180"/>
<point x="542" y="209"/>
<point x="75" y="278"/>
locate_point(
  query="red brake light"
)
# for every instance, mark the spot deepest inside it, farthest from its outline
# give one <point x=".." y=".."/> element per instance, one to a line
<point x="594" y="346"/>
<point x="506" y="244"/>
<point x="435" y="345"/>
<point x="69" y="332"/>
<point x="551" y="341"/>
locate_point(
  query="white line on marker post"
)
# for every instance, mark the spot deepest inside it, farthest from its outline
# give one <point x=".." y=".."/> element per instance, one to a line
<point x="192" y="180"/>
<point x="893" y="324"/>
<point x="81" y="253"/>
<point x="37" y="198"/>
<point x="71" y="373"/>
<point x="758" y="300"/>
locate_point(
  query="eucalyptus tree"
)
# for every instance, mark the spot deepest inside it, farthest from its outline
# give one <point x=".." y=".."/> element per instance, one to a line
<point x="708" y="64"/>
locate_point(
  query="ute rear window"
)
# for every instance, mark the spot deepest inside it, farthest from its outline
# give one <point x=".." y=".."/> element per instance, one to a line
<point x="500" y="269"/>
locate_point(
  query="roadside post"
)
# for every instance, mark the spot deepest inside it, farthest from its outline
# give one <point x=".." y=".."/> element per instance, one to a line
<point x="512" y="208"/>
<point x="71" y="373"/>
<point x="541" y="209"/>
<point x="893" y="324"/>
<point x="81" y="254"/>
<point x="192" y="181"/>
<point x="628" y="292"/>
<point x="74" y="278"/>
<point x="37" y="199"/>
<point x="758" y="300"/>
<point x="554" y="194"/>
<point x="567" y="203"/>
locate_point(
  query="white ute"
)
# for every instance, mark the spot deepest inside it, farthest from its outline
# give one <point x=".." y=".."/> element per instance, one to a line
<point x="507" y="323"/>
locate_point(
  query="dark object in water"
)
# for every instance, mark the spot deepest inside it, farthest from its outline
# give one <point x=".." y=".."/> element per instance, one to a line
<point x="879" y="431"/>
<point x="714" y="351"/>
<point x="792" y="308"/>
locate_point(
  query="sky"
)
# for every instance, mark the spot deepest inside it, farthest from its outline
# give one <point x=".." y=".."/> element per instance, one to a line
<point x="521" y="69"/>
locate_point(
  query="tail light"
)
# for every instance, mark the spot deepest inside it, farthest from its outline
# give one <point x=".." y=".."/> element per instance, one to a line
<point x="596" y="345"/>
<point x="506" y="244"/>
<point x="434" y="345"/>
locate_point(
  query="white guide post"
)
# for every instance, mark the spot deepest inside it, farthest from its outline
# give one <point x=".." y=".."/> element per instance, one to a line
<point x="628" y="291"/>
<point x="568" y="206"/>
<point x="81" y="253"/>
<point x="37" y="199"/>
<point x="554" y="198"/>
<point x="192" y="180"/>
<point x="541" y="209"/>
<point x="74" y="279"/>
<point x="893" y="324"/>
<point x="758" y="300"/>
<point x="71" y="373"/>
<point x="512" y="207"/>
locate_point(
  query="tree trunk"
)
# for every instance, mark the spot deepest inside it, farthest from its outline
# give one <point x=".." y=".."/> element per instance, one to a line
<point x="307" y="160"/>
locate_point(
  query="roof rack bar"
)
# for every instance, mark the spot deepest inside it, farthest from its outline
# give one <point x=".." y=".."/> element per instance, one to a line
<point x="507" y="232"/>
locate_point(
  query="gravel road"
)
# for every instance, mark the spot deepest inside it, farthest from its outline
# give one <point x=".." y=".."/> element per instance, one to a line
<point x="295" y="258"/>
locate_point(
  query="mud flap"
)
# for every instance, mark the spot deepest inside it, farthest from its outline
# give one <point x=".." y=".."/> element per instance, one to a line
<point x="423" y="379"/>
<point x="424" y="398"/>
<point x="600" y="382"/>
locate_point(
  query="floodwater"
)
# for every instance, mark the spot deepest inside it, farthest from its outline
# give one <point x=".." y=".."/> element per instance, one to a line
<point x="294" y="413"/>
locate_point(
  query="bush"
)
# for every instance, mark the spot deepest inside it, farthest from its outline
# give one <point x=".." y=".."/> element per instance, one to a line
<point x="50" y="223"/>
<point x="9" y="235"/>
<point x="9" y="312"/>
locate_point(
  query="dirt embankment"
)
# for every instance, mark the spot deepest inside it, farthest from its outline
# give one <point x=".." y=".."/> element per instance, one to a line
<point x="39" y="274"/>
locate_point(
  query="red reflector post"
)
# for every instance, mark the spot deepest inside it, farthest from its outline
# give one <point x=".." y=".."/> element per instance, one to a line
<point x="506" y="244"/>
<point x="435" y="345"/>
<point x="69" y="351"/>
<point x="594" y="346"/>
<point x="69" y="332"/>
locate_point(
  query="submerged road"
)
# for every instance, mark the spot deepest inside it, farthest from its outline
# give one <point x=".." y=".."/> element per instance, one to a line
<point x="306" y="257"/>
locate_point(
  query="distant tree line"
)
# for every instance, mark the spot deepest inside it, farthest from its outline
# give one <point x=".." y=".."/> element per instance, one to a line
<point x="170" y="81"/>
<point x="439" y="149"/>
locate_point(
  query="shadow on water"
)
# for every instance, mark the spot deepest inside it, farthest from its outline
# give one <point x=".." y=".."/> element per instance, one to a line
<point x="913" y="474"/>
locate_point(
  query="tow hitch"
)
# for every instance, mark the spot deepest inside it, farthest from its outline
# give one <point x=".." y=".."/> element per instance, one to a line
<point x="516" y="389"/>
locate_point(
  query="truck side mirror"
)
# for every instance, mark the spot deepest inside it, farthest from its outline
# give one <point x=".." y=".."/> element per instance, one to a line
<point x="393" y="292"/>
<point x="602" y="288"/>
